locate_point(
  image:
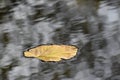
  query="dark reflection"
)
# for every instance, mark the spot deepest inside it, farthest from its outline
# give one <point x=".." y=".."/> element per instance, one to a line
<point x="4" y="71"/>
<point x="90" y="25"/>
<point x="4" y="14"/>
<point x="115" y="68"/>
<point x="61" y="36"/>
<point x="5" y="39"/>
<point x="86" y="52"/>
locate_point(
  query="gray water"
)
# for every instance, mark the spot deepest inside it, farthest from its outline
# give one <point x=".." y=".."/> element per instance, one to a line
<point x="91" y="25"/>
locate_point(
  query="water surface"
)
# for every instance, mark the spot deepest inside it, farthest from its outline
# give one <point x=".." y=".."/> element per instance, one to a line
<point x="91" y="25"/>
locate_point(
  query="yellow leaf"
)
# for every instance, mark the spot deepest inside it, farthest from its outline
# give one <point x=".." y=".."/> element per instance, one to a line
<point x="52" y="52"/>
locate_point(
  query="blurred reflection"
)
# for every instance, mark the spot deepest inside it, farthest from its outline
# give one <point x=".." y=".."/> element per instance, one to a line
<point x="93" y="26"/>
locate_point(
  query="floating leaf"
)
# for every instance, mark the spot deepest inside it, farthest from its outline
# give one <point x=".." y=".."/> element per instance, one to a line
<point x="52" y="52"/>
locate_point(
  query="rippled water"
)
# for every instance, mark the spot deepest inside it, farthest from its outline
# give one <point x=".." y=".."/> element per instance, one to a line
<point x="91" y="25"/>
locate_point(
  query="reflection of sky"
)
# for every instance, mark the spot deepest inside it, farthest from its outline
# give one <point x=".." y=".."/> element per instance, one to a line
<point x="111" y="18"/>
<point x="108" y="11"/>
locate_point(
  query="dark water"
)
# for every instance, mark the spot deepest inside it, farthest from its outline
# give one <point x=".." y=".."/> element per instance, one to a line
<point x="91" y="25"/>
